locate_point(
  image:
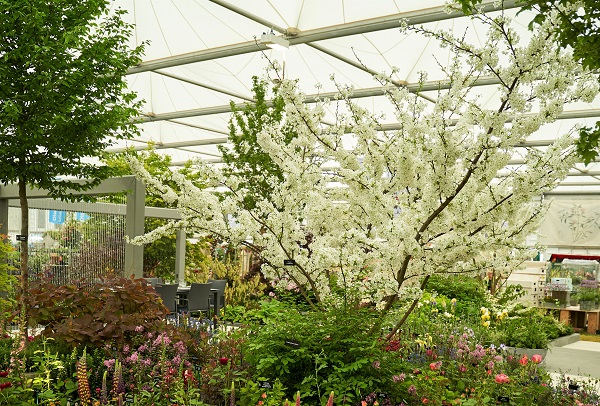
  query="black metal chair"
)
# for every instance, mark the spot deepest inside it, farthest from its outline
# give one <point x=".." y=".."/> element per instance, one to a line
<point x="220" y="285"/>
<point x="154" y="281"/>
<point x="198" y="298"/>
<point x="168" y="294"/>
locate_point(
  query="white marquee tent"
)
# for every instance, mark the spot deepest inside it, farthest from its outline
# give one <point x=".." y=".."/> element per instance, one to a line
<point x="202" y="55"/>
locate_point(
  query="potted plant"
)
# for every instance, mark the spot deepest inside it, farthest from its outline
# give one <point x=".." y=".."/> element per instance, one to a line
<point x="587" y="299"/>
<point x="552" y="303"/>
<point x="574" y="299"/>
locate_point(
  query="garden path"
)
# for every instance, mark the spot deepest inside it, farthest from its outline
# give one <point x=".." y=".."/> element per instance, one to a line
<point x="581" y="358"/>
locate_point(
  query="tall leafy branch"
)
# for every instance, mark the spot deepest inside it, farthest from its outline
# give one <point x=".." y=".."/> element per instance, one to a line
<point x="63" y="96"/>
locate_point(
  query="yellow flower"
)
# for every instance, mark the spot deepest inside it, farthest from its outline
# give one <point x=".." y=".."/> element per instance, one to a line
<point x="486" y="323"/>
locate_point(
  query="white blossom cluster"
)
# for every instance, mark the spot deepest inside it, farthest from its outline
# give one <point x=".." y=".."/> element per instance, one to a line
<point x="434" y="196"/>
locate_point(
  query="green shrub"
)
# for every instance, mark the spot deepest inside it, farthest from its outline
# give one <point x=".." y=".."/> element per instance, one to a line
<point x="241" y="290"/>
<point x="470" y="294"/>
<point x="319" y="352"/>
<point x="8" y="282"/>
<point x="529" y="328"/>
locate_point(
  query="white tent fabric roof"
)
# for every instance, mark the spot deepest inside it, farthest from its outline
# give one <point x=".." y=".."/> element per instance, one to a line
<point x="202" y="54"/>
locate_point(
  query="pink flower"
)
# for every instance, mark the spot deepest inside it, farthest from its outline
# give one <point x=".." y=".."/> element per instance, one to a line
<point x="524" y="360"/>
<point x="434" y="366"/>
<point x="399" y="378"/>
<point x="330" y="400"/>
<point x="462" y="368"/>
<point x="412" y="390"/>
<point x="502" y="378"/>
<point x="376" y="364"/>
<point x="536" y="358"/>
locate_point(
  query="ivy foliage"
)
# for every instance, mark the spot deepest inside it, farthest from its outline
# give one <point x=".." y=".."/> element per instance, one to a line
<point x="578" y="30"/>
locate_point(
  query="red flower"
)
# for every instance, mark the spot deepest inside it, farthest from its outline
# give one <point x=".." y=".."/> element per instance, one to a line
<point x="3" y="374"/>
<point x="5" y="385"/>
<point x="223" y="361"/>
<point x="188" y="376"/>
<point x="434" y="366"/>
<point x="524" y="360"/>
<point x="502" y="378"/>
<point x="536" y="358"/>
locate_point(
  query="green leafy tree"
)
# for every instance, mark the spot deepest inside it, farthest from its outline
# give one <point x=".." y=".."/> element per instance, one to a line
<point x="577" y="29"/>
<point x="246" y="157"/>
<point x="62" y="95"/>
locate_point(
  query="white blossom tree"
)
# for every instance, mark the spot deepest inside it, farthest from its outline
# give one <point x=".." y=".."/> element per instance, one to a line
<point x="367" y="214"/>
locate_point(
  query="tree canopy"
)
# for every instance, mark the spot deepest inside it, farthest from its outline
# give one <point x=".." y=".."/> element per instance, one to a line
<point x="576" y="28"/>
<point x="364" y="215"/>
<point x="62" y="89"/>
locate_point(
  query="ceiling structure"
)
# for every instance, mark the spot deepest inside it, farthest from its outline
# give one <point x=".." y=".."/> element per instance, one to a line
<point x="202" y="54"/>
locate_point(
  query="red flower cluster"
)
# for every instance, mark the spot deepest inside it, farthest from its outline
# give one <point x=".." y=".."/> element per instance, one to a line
<point x="4" y="385"/>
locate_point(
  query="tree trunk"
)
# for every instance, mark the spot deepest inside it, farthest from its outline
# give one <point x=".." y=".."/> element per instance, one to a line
<point x="24" y="256"/>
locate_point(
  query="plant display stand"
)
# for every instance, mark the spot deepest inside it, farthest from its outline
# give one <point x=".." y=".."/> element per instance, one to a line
<point x="576" y="317"/>
<point x="588" y="305"/>
<point x="554" y="305"/>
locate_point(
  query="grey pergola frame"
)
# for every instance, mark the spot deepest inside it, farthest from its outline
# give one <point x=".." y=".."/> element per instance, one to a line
<point x="135" y="212"/>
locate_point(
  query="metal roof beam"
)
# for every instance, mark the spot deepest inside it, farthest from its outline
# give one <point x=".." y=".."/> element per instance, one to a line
<point x="204" y="85"/>
<point x="174" y="145"/>
<point x="433" y="85"/>
<point x="384" y="127"/>
<point x="336" y="31"/>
